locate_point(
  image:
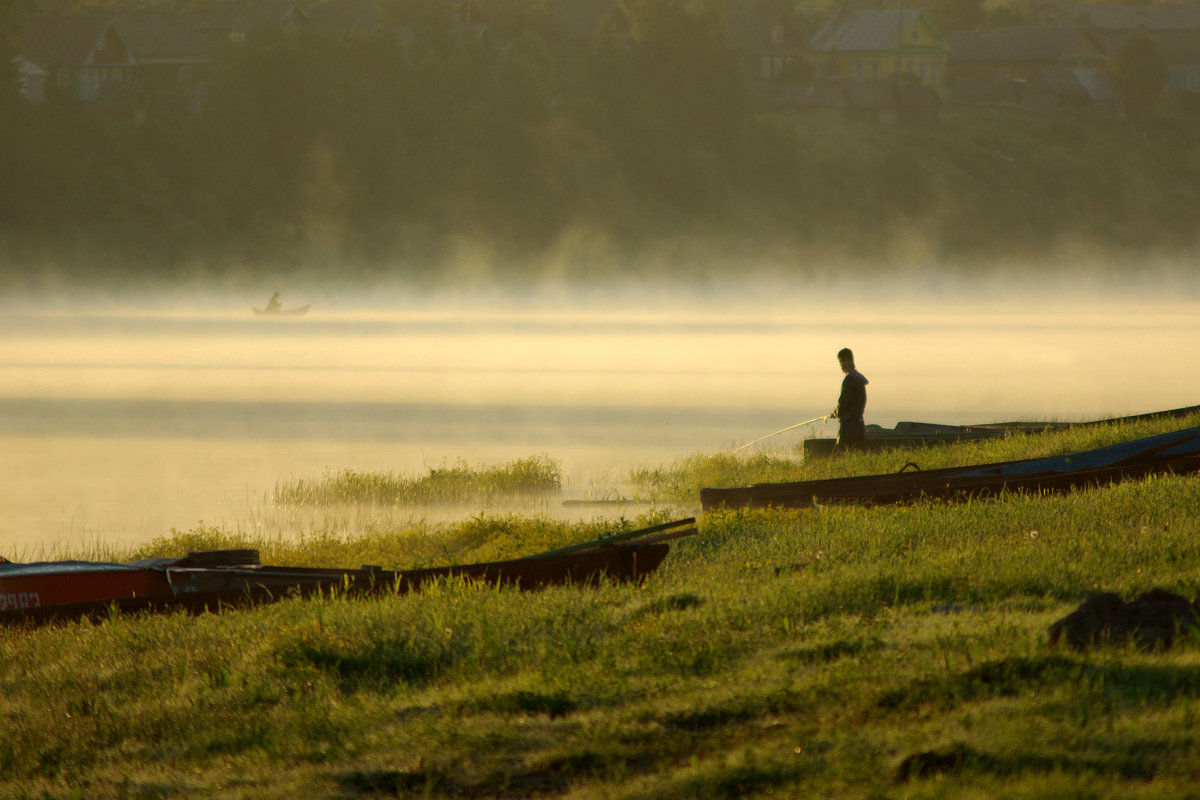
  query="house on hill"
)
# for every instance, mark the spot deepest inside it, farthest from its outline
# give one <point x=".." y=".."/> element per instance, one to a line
<point x="172" y="57"/>
<point x="881" y="44"/>
<point x="132" y="61"/>
<point x="1080" y="36"/>
<point x="77" y="55"/>
<point x="31" y="80"/>
<point x="232" y="21"/>
<point x="1180" y="51"/>
<point x="1021" y="52"/>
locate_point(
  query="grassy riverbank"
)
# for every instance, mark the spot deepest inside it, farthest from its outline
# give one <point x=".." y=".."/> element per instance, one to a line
<point x="831" y="652"/>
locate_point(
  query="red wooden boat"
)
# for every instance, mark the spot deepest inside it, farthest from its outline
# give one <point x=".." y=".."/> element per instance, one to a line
<point x="208" y="581"/>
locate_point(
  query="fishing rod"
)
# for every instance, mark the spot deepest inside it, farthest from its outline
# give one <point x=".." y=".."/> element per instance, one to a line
<point x="784" y="430"/>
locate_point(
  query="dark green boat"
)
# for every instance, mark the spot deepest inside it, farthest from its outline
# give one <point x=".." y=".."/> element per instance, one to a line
<point x="920" y="434"/>
<point x="1177" y="452"/>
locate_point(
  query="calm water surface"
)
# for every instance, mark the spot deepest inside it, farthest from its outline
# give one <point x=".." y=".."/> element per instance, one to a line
<point x="124" y="422"/>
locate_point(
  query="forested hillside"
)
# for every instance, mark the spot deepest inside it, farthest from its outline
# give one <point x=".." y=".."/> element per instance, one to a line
<point x="374" y="155"/>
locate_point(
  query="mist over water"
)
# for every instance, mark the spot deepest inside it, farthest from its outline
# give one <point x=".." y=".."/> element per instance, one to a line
<point x="124" y="420"/>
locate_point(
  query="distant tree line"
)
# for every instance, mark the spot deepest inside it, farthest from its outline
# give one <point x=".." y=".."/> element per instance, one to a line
<point x="375" y="154"/>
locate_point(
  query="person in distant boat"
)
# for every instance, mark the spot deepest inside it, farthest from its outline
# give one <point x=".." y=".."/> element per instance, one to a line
<point x="273" y="303"/>
<point x="851" y="405"/>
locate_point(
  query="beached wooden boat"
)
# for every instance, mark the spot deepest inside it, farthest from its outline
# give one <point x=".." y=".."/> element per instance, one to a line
<point x="920" y="434"/>
<point x="1175" y="452"/>
<point x="208" y="581"/>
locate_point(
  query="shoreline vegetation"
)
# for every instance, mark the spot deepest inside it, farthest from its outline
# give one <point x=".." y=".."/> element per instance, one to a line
<point x="537" y="476"/>
<point x="837" y="651"/>
<point x="440" y="161"/>
<point x="983" y="192"/>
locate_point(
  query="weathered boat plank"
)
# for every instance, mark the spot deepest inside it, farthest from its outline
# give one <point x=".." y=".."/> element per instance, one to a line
<point x="921" y="434"/>
<point x="213" y="580"/>
<point x="1175" y="452"/>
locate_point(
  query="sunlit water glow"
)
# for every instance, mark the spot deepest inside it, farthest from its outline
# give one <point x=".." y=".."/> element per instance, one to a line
<point x="123" y="422"/>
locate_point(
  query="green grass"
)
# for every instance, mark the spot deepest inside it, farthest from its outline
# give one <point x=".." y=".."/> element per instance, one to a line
<point x="681" y="483"/>
<point x="892" y="652"/>
<point x="462" y="483"/>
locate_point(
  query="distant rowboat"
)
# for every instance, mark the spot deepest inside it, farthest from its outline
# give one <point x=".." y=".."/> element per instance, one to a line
<point x="280" y="312"/>
<point x="209" y="581"/>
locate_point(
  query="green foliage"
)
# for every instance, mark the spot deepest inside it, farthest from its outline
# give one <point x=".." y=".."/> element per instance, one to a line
<point x="1007" y="15"/>
<point x="837" y="651"/>
<point x="686" y="68"/>
<point x="430" y="21"/>
<point x="318" y="149"/>
<point x="1141" y="72"/>
<point x="14" y="16"/>
<point x="833" y="651"/>
<point x="399" y="543"/>
<point x="681" y="483"/>
<point x="459" y="484"/>
<point x="956" y="15"/>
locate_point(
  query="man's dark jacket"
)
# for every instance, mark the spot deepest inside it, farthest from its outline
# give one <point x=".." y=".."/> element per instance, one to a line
<point x="853" y="400"/>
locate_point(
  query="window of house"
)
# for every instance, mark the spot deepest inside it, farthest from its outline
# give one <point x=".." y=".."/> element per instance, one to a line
<point x="116" y="76"/>
<point x="766" y="66"/>
<point x="777" y="34"/>
<point x="1193" y="82"/>
<point x="874" y="68"/>
<point x="64" y="77"/>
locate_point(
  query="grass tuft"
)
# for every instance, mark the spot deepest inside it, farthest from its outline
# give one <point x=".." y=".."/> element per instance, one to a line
<point x="450" y="485"/>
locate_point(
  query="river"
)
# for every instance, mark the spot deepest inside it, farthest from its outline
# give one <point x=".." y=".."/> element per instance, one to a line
<point x="134" y="417"/>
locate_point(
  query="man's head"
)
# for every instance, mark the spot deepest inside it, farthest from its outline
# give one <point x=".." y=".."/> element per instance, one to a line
<point x="846" y="359"/>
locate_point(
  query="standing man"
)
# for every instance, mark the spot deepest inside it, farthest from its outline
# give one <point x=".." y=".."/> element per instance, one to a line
<point x="850" y="406"/>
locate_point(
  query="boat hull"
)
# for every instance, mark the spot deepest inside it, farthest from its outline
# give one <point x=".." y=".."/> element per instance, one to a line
<point x="37" y="593"/>
<point x="923" y="434"/>
<point x="280" y="312"/>
<point x="44" y="594"/>
<point x="1177" y="452"/>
